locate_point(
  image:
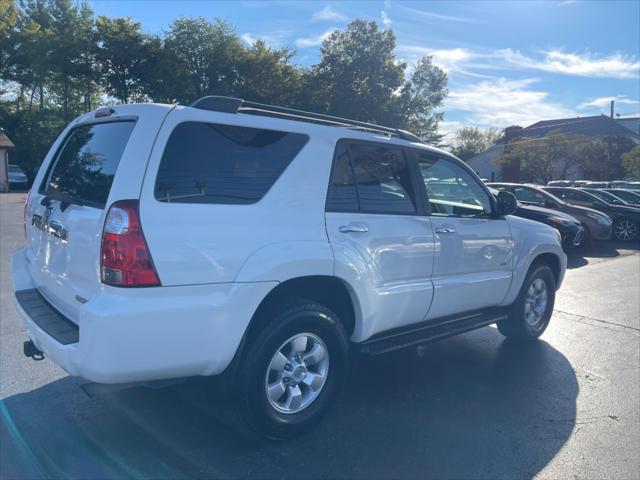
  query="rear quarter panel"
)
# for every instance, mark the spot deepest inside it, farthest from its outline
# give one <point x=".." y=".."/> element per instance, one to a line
<point x="281" y="234"/>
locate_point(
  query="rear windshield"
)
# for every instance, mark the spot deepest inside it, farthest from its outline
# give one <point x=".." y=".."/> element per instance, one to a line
<point x="212" y="163"/>
<point x="84" y="168"/>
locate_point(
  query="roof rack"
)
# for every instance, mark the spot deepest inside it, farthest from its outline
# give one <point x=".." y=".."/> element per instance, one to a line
<point x="237" y="105"/>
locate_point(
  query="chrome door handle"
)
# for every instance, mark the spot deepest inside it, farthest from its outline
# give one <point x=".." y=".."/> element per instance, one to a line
<point x="445" y="230"/>
<point x="353" y="228"/>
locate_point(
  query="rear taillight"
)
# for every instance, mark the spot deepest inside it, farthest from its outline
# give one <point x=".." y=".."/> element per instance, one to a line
<point x="125" y="260"/>
<point x="24" y="213"/>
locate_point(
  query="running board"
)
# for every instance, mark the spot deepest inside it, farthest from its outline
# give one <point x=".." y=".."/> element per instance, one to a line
<point x="429" y="331"/>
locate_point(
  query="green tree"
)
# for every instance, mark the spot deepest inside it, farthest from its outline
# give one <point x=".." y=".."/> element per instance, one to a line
<point x="359" y="77"/>
<point x="545" y="158"/>
<point x="631" y="163"/>
<point x="421" y="95"/>
<point x="470" y="141"/>
<point x="127" y="57"/>
<point x="204" y="57"/>
<point x="601" y="159"/>
<point x="358" y="74"/>
<point x="266" y="75"/>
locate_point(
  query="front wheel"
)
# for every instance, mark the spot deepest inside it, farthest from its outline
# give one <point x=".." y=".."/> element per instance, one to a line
<point x="292" y="370"/>
<point x="531" y="312"/>
<point x="626" y="230"/>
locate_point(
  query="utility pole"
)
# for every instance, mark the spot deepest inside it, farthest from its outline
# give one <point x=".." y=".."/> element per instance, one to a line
<point x="611" y="109"/>
<point x="609" y="137"/>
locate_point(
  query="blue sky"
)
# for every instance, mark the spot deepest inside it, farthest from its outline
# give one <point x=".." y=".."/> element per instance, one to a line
<point x="508" y="62"/>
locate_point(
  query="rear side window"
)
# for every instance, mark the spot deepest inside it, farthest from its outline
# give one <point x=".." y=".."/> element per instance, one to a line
<point x="84" y="168"/>
<point x="370" y="178"/>
<point x="212" y="163"/>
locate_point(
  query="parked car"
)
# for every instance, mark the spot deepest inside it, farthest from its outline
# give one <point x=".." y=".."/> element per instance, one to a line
<point x="629" y="196"/>
<point x="594" y="185"/>
<point x="626" y="219"/>
<point x="560" y="183"/>
<point x="618" y="183"/>
<point x="17" y="177"/>
<point x="265" y="243"/>
<point x="597" y="226"/>
<point x="571" y="230"/>
<point x="605" y="196"/>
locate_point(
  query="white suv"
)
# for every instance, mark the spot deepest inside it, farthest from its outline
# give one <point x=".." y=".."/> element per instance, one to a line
<point x="227" y="236"/>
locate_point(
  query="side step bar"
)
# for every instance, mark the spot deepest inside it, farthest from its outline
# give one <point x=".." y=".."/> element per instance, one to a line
<point x="433" y="330"/>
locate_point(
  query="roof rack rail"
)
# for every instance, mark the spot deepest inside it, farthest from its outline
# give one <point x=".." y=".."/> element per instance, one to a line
<point x="237" y="105"/>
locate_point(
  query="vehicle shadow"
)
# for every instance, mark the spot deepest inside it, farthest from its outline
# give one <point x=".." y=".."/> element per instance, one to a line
<point x="471" y="406"/>
<point x="578" y="257"/>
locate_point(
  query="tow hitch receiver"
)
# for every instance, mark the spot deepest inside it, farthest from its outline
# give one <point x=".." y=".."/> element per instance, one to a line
<point x="30" y="350"/>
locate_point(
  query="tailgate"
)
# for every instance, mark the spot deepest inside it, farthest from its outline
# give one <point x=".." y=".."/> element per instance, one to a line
<point x="66" y="213"/>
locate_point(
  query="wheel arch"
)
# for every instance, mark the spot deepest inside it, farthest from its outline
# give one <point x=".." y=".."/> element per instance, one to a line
<point x="550" y="259"/>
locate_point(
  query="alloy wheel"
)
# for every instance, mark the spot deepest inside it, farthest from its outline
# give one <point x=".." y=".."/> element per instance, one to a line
<point x="297" y="373"/>
<point x="535" y="304"/>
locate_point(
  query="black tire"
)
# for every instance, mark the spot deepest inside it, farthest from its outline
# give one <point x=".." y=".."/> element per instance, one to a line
<point x="630" y="227"/>
<point x="516" y="326"/>
<point x="298" y="316"/>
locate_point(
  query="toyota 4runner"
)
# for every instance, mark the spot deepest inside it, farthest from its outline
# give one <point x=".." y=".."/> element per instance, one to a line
<point x="168" y="241"/>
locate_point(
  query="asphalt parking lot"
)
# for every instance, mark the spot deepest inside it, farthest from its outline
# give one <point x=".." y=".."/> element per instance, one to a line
<point x="474" y="406"/>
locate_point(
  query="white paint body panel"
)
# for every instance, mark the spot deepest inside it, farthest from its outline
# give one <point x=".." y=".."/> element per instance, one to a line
<point x="389" y="267"/>
<point x="473" y="264"/>
<point x="217" y="263"/>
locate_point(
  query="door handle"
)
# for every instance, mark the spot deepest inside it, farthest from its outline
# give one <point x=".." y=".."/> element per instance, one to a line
<point x="448" y="229"/>
<point x="353" y="228"/>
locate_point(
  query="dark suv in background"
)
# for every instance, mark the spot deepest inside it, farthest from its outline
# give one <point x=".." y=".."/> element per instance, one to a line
<point x="597" y="226"/>
<point x="626" y="219"/>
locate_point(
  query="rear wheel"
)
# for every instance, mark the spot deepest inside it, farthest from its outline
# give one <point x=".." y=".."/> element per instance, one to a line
<point x="292" y="370"/>
<point x="531" y="312"/>
<point x="626" y="230"/>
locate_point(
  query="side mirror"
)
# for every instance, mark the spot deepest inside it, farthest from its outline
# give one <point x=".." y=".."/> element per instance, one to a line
<point x="507" y="203"/>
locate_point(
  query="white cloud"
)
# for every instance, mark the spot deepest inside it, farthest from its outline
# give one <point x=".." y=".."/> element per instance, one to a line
<point x="275" y="39"/>
<point x="585" y="65"/>
<point x="386" y="21"/>
<point x="327" y="13"/>
<point x="450" y="60"/>
<point x="503" y="102"/>
<point x="602" y="102"/>
<point x="314" y="41"/>
<point x="425" y="15"/>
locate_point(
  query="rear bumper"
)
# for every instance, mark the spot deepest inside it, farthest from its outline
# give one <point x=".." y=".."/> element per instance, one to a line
<point x="131" y="335"/>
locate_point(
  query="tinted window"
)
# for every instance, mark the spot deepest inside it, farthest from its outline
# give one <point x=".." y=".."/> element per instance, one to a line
<point x="526" y="195"/>
<point x="382" y="178"/>
<point x="210" y="163"/>
<point x="85" y="166"/>
<point x="451" y="189"/>
<point x="343" y="196"/>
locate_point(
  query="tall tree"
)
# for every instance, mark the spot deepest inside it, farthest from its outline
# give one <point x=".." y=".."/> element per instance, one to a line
<point x="631" y="163"/>
<point x="126" y="56"/>
<point x="358" y="74"/>
<point x="420" y="97"/>
<point x="545" y="158"/>
<point x="266" y="75"/>
<point x="205" y="56"/>
<point x="470" y="141"/>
